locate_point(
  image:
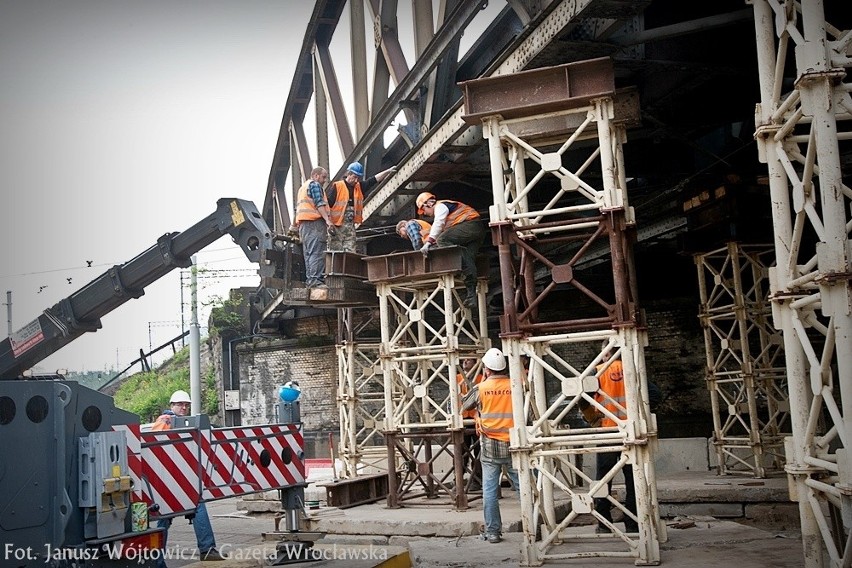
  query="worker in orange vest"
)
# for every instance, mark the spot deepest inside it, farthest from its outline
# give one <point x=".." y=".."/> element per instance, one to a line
<point x="611" y="382"/>
<point x="179" y="405"/>
<point x="495" y="421"/>
<point x="314" y="223"/>
<point x="454" y="223"/>
<point x="346" y="204"/>
<point x="415" y="230"/>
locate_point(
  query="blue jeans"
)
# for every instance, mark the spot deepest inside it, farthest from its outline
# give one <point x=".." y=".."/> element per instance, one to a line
<point x="605" y="462"/>
<point x="204" y="537"/>
<point x="492" y="468"/>
<point x="314" y="237"/>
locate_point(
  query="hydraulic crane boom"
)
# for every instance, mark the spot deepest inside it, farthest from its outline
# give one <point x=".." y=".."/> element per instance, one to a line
<point x="82" y="311"/>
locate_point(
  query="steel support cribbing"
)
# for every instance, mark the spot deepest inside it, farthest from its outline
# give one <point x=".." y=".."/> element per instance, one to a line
<point x="360" y="400"/>
<point x="426" y="332"/>
<point x="745" y="360"/>
<point x="799" y="133"/>
<point x="545" y="209"/>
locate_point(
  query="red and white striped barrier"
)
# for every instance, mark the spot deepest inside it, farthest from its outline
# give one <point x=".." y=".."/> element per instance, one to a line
<point x="176" y="469"/>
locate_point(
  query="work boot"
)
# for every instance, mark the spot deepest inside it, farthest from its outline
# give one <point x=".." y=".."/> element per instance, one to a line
<point x="470" y="299"/>
<point x="211" y="555"/>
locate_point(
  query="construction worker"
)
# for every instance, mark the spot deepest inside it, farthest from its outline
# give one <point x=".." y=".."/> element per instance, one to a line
<point x="179" y="405"/>
<point x="467" y="381"/>
<point x="346" y="204"/>
<point x="454" y="223"/>
<point x="414" y="230"/>
<point x="495" y="420"/>
<point x="611" y="396"/>
<point x="313" y="219"/>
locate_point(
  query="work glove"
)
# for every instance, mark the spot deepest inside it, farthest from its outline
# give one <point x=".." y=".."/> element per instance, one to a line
<point x="332" y="230"/>
<point x="425" y="248"/>
<point x="591" y="414"/>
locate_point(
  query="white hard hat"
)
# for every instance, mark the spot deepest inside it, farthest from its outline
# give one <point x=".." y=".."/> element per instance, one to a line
<point x="494" y="359"/>
<point x="180" y="396"/>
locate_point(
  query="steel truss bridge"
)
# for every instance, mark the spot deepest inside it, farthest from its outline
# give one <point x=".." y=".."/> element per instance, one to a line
<point x="695" y="102"/>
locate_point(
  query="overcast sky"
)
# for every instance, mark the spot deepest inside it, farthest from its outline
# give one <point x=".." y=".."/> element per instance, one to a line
<point x="121" y="121"/>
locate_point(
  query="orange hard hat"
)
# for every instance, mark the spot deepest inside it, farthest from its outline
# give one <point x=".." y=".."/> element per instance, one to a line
<point x="421" y="199"/>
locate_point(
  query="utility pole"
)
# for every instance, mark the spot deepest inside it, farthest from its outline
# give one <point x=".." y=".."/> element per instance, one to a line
<point x="182" y="323"/>
<point x="194" y="343"/>
<point x="9" y="311"/>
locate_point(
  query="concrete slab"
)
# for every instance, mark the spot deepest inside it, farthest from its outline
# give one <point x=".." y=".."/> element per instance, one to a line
<point x="712" y="543"/>
<point x="437" y="535"/>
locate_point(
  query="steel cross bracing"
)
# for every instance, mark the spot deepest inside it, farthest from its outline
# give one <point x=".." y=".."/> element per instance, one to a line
<point x="745" y="360"/>
<point x="801" y="127"/>
<point x="530" y="219"/>
<point x="426" y="332"/>
<point x="361" y="393"/>
<point x="361" y="401"/>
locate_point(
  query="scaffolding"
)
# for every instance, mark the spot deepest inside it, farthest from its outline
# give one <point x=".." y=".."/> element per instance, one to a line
<point x="426" y="331"/>
<point x="545" y="208"/>
<point x="799" y="133"/>
<point x="745" y="360"/>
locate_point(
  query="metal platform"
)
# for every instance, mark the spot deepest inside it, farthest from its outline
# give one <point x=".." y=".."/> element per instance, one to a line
<point x="342" y="292"/>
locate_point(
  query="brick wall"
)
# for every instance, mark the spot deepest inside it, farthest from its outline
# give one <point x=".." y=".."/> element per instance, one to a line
<point x="676" y="362"/>
<point x="264" y="365"/>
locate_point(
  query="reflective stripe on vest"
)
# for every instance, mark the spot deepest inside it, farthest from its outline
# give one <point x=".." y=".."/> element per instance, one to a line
<point x="342" y="199"/>
<point x="495" y="407"/>
<point x="612" y="383"/>
<point x="305" y="208"/>
<point x="459" y="212"/>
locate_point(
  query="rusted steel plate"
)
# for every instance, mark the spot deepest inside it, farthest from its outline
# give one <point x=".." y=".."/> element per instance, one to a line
<point x="413" y="265"/>
<point x="625" y="107"/>
<point x="346" y="493"/>
<point x="537" y="91"/>
<point x="345" y="264"/>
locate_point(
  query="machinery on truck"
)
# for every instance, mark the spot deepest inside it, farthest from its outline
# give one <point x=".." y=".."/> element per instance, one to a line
<point x="80" y="483"/>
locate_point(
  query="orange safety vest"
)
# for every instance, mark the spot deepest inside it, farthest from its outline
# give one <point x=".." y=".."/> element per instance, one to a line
<point x="495" y="407"/>
<point x="163" y="422"/>
<point x="306" y="210"/>
<point x="459" y="212"/>
<point x="339" y="208"/>
<point x="463" y="390"/>
<point x="612" y="383"/>
<point x="424" y="232"/>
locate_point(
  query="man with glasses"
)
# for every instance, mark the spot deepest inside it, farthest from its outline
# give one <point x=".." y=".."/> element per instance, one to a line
<point x="179" y="405"/>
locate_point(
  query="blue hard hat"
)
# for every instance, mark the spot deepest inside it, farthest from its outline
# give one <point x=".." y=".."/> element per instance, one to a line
<point x="356" y="168"/>
<point x="290" y="391"/>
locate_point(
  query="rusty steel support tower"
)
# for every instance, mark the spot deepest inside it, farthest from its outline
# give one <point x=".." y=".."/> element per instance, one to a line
<point x="745" y="360"/>
<point x="800" y="129"/>
<point x="543" y="204"/>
